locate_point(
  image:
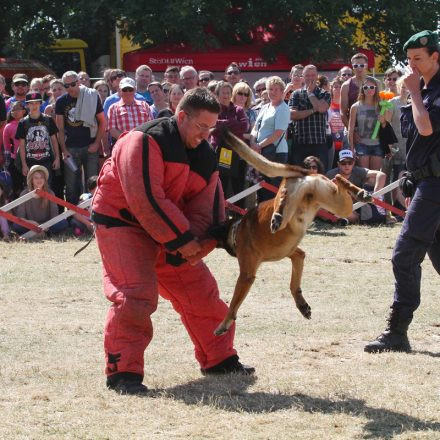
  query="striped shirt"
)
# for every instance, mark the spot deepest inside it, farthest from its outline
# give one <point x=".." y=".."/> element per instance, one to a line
<point x="125" y="117"/>
<point x="310" y="130"/>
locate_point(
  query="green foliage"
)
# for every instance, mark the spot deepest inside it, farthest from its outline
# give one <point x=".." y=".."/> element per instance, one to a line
<point x="301" y="29"/>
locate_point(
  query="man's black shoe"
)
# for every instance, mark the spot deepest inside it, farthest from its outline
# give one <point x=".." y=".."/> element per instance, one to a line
<point x="127" y="383"/>
<point x="395" y="337"/>
<point x="389" y="341"/>
<point x="231" y="365"/>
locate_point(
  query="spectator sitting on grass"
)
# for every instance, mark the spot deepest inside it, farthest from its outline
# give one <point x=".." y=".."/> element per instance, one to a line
<point x="39" y="209"/>
<point x="363" y="178"/>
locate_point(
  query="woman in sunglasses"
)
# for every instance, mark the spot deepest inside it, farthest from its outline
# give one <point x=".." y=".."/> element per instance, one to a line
<point x="363" y="116"/>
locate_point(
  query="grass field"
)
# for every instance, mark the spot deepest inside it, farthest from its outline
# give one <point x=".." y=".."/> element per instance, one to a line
<point x="314" y="381"/>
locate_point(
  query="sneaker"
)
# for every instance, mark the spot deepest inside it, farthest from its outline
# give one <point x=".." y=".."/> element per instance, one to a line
<point x="231" y="365"/>
<point x="127" y="384"/>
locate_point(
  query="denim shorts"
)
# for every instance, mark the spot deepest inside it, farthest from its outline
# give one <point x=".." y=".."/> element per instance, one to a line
<point x="369" y="150"/>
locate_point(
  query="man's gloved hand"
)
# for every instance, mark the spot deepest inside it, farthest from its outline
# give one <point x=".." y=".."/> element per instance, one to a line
<point x="206" y="246"/>
<point x="189" y="249"/>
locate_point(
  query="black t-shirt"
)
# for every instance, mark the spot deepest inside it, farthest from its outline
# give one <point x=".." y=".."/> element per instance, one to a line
<point x="77" y="135"/>
<point x="36" y="134"/>
<point x="419" y="148"/>
<point x="2" y="109"/>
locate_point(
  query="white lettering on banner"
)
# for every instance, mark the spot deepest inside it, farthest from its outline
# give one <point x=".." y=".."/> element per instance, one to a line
<point x="253" y="62"/>
<point x="176" y="61"/>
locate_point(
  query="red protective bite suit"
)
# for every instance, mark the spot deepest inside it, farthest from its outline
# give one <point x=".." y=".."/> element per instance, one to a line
<point x="153" y="196"/>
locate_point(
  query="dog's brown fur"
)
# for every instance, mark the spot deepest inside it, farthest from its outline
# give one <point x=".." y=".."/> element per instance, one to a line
<point x="274" y="229"/>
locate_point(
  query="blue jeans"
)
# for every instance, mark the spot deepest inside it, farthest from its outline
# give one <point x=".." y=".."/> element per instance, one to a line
<point x="301" y="151"/>
<point x="54" y="229"/>
<point x="369" y="150"/>
<point x="73" y="179"/>
<point x="420" y="235"/>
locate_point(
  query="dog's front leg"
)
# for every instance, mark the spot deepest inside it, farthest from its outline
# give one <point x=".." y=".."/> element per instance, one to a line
<point x="297" y="259"/>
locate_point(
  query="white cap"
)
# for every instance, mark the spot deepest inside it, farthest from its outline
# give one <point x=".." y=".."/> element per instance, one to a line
<point x="127" y="82"/>
<point x="345" y="154"/>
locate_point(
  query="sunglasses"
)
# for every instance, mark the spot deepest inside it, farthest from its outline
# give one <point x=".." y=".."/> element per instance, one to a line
<point x="243" y="94"/>
<point x="346" y="74"/>
<point x="233" y="72"/>
<point x="204" y="79"/>
<point x="312" y="167"/>
<point x="166" y="90"/>
<point x="118" y="75"/>
<point x="391" y="79"/>
<point x="260" y="90"/>
<point x="127" y="89"/>
<point x="72" y="84"/>
<point x="20" y="83"/>
<point x="359" y="65"/>
<point x="347" y="162"/>
<point x="368" y="87"/>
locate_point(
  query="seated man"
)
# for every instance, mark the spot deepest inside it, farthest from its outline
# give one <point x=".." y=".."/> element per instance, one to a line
<point x="362" y="177"/>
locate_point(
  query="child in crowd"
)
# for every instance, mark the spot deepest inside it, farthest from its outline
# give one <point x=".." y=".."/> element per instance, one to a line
<point x="39" y="209"/>
<point x="80" y="223"/>
<point x="4" y="226"/>
<point x="11" y="144"/>
<point x="37" y="135"/>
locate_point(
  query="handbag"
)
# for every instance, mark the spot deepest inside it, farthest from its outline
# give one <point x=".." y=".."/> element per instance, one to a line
<point x="270" y="151"/>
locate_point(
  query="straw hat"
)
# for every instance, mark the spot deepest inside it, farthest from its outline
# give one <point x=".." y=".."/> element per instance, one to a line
<point x="34" y="169"/>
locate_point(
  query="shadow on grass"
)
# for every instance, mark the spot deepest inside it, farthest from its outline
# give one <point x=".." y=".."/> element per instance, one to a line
<point x="426" y="353"/>
<point x="230" y="394"/>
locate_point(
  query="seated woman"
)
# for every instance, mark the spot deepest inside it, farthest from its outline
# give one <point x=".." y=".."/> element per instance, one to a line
<point x="38" y="210"/>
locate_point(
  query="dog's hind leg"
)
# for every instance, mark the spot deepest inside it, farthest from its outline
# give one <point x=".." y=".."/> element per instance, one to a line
<point x="297" y="259"/>
<point x="248" y="270"/>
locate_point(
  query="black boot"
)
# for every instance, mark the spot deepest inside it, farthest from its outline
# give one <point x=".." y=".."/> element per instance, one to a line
<point x="394" y="338"/>
<point x="126" y="383"/>
<point x="228" y="366"/>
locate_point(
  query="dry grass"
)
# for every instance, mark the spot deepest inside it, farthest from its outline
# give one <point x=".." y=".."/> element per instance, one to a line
<point x="314" y="380"/>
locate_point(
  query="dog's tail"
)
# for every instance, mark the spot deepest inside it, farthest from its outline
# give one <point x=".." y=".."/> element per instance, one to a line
<point x="259" y="162"/>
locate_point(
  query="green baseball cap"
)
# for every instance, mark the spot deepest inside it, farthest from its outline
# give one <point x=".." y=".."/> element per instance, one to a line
<point x="422" y="39"/>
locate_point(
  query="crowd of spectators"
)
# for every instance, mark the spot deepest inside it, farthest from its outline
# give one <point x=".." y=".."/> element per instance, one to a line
<point x="57" y="132"/>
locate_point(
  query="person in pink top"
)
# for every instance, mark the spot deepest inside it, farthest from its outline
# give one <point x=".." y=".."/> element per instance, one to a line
<point x="11" y="144"/>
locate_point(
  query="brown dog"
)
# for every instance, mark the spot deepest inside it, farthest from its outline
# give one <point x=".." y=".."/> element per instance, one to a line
<point x="273" y="230"/>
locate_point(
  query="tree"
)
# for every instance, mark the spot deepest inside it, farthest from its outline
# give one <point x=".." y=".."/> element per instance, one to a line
<point x="302" y="29"/>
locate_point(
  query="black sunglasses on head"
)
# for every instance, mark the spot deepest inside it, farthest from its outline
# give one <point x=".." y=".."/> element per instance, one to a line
<point x="72" y="84"/>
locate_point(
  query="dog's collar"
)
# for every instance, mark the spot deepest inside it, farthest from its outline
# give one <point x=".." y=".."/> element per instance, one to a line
<point x="231" y="240"/>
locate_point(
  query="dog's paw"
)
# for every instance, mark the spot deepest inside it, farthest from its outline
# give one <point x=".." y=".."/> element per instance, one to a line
<point x="275" y="222"/>
<point x="305" y="310"/>
<point x="364" y="196"/>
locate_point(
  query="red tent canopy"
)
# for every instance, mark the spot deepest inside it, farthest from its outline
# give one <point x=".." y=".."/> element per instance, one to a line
<point x="247" y="57"/>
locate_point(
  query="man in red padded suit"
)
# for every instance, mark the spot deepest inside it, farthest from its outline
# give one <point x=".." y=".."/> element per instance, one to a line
<point x="156" y="198"/>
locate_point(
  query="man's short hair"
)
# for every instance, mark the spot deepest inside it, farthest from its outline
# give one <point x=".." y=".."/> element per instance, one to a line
<point x="297" y="67"/>
<point x="197" y="100"/>
<point x="234" y="65"/>
<point x="207" y="73"/>
<point x="155" y="83"/>
<point x="172" y="69"/>
<point x="48" y="78"/>
<point x="143" y="67"/>
<point x="359" y="55"/>
<point x="69" y="73"/>
<point x="185" y="69"/>
<point x="392" y="70"/>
